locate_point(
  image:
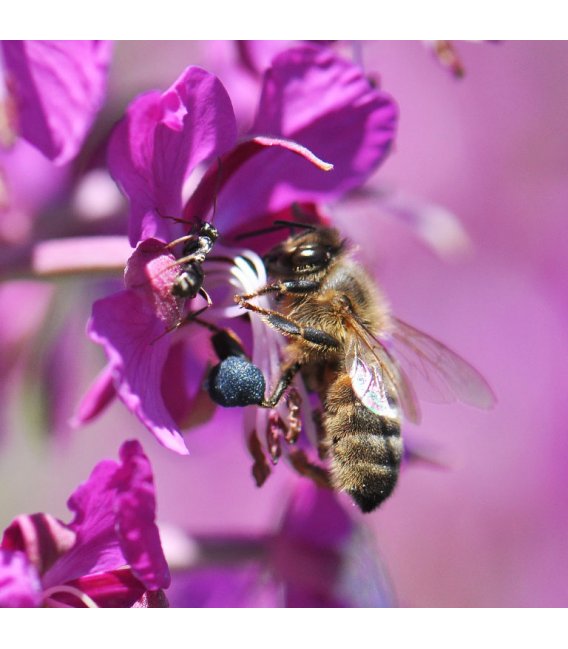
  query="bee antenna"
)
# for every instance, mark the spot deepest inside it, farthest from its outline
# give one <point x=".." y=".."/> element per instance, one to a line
<point x="294" y="224"/>
<point x="278" y="225"/>
<point x="176" y="219"/>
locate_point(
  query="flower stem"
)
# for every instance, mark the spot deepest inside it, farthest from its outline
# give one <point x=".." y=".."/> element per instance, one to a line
<point x="71" y="256"/>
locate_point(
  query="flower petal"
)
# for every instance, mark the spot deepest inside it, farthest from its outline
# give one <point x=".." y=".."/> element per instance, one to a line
<point x="132" y="335"/>
<point x="314" y="515"/>
<point x="325" y="103"/>
<point x="110" y="589"/>
<point x="115" y="524"/>
<point x="99" y="395"/>
<point x="323" y="558"/>
<point x="20" y="586"/>
<point x="59" y="87"/>
<point x="241" y="586"/>
<point x="41" y="537"/>
<point x="162" y="138"/>
<point x="136" y="512"/>
<point x="96" y="547"/>
<point x="218" y="174"/>
<point x="152" y="599"/>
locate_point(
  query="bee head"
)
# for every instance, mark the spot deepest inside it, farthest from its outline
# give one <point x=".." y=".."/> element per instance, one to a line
<point x="304" y="253"/>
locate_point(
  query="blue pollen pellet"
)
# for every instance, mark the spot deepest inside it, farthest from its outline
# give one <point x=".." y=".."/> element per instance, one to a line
<point x="236" y="382"/>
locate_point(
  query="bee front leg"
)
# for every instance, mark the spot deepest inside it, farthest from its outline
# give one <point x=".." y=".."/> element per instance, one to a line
<point x="290" y="327"/>
<point x="295" y="287"/>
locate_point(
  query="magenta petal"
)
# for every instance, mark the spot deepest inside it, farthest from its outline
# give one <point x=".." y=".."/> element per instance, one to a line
<point x="99" y="395"/>
<point x="241" y="586"/>
<point x="315" y="516"/>
<point x="59" y="87"/>
<point x="326" y="104"/>
<point x="111" y="589"/>
<point x="211" y="183"/>
<point x="162" y="138"/>
<point x="114" y="523"/>
<point x="136" y="512"/>
<point x="152" y="599"/>
<point x="130" y="155"/>
<point x="97" y="547"/>
<point x="132" y="335"/>
<point x="20" y="586"/>
<point x="41" y="537"/>
<point x="323" y="558"/>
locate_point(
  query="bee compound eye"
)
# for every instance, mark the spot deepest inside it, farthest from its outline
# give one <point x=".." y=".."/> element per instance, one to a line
<point x="312" y="256"/>
<point x="236" y="382"/>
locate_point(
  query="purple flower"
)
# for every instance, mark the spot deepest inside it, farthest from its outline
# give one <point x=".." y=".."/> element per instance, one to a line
<point x="317" y="557"/>
<point x="53" y="91"/>
<point x="326" y="103"/>
<point x="109" y="555"/>
<point x="131" y="327"/>
<point x="161" y="140"/>
<point x="311" y="101"/>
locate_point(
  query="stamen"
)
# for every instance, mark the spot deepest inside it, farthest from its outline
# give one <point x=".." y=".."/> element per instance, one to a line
<point x="294" y="401"/>
<point x="260" y="468"/>
<point x="274" y="432"/>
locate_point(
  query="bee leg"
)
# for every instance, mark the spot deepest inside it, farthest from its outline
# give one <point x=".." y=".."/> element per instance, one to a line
<point x="174" y="243"/>
<point x="287" y="375"/>
<point x="296" y="287"/>
<point x="225" y="341"/>
<point x="317" y="418"/>
<point x="291" y="328"/>
<point x="192" y="317"/>
<point x="304" y="466"/>
<point x="205" y="295"/>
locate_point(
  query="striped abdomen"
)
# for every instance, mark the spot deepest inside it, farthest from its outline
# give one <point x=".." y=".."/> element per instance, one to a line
<point x="365" y="448"/>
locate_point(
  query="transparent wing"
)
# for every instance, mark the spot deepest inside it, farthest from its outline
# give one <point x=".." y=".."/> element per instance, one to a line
<point x="376" y="378"/>
<point x="436" y="372"/>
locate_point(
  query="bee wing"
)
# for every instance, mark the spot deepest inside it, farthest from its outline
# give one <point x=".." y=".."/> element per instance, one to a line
<point x="438" y="373"/>
<point x="376" y="378"/>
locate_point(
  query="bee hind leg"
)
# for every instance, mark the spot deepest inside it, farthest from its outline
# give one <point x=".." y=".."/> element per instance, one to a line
<point x="285" y="379"/>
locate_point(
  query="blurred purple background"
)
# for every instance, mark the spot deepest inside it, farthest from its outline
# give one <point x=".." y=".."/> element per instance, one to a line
<point x="490" y="529"/>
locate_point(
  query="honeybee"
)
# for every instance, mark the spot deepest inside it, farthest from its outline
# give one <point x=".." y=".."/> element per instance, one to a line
<point x="355" y="355"/>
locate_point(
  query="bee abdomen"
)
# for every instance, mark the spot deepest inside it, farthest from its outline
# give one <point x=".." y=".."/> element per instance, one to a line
<point x="366" y="466"/>
<point x="366" y="448"/>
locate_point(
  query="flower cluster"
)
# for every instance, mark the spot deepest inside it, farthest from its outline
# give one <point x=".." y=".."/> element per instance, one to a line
<point x="109" y="555"/>
<point x="307" y="94"/>
<point x="321" y="129"/>
<point x="129" y="196"/>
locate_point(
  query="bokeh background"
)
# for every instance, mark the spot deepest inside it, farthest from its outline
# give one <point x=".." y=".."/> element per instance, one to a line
<point x="489" y="528"/>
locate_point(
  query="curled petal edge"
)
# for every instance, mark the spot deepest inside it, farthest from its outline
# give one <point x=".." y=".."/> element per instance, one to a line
<point x="220" y="171"/>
